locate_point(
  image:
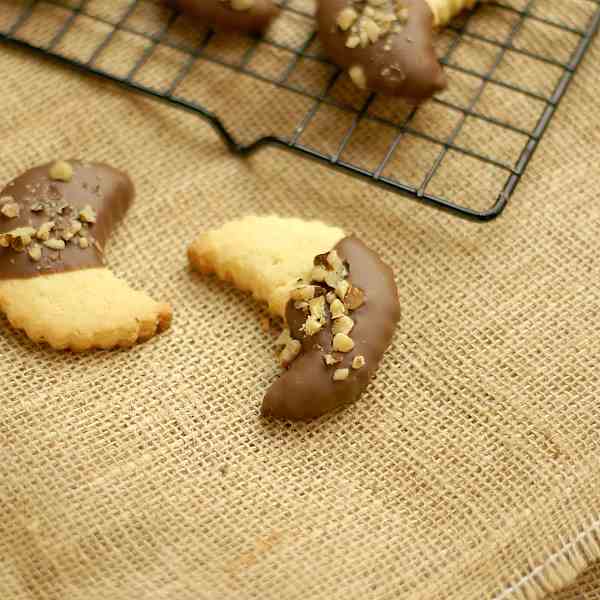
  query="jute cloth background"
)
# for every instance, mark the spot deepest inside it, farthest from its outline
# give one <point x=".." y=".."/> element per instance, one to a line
<point x="469" y="469"/>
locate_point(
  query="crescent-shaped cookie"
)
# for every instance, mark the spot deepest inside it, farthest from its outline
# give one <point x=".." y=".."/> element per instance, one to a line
<point x="54" y="223"/>
<point x="338" y="299"/>
<point x="387" y="45"/>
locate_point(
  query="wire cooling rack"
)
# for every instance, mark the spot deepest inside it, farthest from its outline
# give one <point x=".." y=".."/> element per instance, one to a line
<point x="509" y="65"/>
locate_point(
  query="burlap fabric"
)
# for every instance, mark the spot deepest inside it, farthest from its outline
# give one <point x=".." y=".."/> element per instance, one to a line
<point x="468" y="470"/>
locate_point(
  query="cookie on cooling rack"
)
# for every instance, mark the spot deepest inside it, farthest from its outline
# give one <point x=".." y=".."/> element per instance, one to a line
<point x="252" y="16"/>
<point x="387" y="45"/>
<point x="54" y="222"/>
<point x="337" y="297"/>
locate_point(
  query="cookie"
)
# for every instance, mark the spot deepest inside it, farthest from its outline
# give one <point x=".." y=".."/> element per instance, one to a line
<point x="252" y="16"/>
<point x="54" y="223"/>
<point x="338" y="299"/>
<point x="337" y="335"/>
<point x="263" y="255"/>
<point x="386" y="46"/>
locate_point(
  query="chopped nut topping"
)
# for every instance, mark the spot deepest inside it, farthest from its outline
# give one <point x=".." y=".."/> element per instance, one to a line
<point x="332" y="359"/>
<point x="11" y="210"/>
<point x="72" y="230"/>
<point x="43" y="233"/>
<point x="337" y="309"/>
<point x="318" y="273"/>
<point x="301" y="306"/>
<point x="83" y="243"/>
<point x="35" y="253"/>
<point x="358" y="76"/>
<point x="341" y="374"/>
<point x="289" y="353"/>
<point x="37" y="207"/>
<point x="354" y="298"/>
<point x="87" y="215"/>
<point x="61" y="171"/>
<point x="358" y="362"/>
<point x="341" y="289"/>
<point x="342" y="342"/>
<point x="18" y="239"/>
<point x="317" y="307"/>
<point x="332" y="279"/>
<point x="342" y="325"/>
<point x="353" y="42"/>
<point x="312" y="325"/>
<point x="284" y="337"/>
<point x="347" y="18"/>
<point x="305" y="292"/>
<point x="330" y="297"/>
<point x="55" y="244"/>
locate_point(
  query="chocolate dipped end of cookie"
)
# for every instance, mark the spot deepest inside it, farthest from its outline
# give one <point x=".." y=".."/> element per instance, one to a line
<point x="334" y="365"/>
<point x="58" y="217"/>
<point x="252" y="16"/>
<point x="385" y="45"/>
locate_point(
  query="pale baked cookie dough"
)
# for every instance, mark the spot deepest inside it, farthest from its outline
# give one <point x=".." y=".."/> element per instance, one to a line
<point x="338" y="299"/>
<point x="54" y="223"/>
<point x="387" y="45"/>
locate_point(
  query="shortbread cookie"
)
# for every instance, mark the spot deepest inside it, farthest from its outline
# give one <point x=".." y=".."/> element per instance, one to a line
<point x="252" y="16"/>
<point x="54" y="223"/>
<point x="387" y="45"/>
<point x="338" y="298"/>
<point x="341" y="321"/>
<point x="263" y="255"/>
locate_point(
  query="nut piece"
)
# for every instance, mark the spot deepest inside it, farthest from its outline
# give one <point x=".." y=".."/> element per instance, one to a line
<point x="337" y="309"/>
<point x="346" y="18"/>
<point x="242" y="4"/>
<point x="284" y="337"/>
<point x="342" y="342"/>
<point x="87" y="215"/>
<point x="318" y="273"/>
<point x="289" y="353"/>
<point x="358" y="362"/>
<point x="55" y="244"/>
<point x="312" y="325"/>
<point x="342" y="325"/>
<point x="317" y="308"/>
<point x="332" y="279"/>
<point x="331" y="359"/>
<point x="305" y="292"/>
<point x="35" y="253"/>
<point x="354" y="299"/>
<point x="61" y="171"/>
<point x="11" y="209"/>
<point x="330" y="297"/>
<point x="357" y="74"/>
<point x="341" y="374"/>
<point x="341" y="289"/>
<point x="83" y="243"/>
<point x="43" y="233"/>
<point x="37" y="207"/>
<point x="303" y="306"/>
<point x="18" y="239"/>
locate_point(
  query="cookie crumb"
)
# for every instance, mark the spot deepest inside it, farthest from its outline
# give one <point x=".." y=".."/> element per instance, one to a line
<point x="341" y="374"/>
<point x="358" y="362"/>
<point x="61" y="171"/>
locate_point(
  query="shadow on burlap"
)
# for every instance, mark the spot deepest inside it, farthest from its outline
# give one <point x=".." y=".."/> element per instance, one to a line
<point x="469" y="469"/>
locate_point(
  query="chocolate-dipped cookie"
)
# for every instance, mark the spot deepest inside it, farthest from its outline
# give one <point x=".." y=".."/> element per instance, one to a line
<point x="340" y="324"/>
<point x="54" y="223"/>
<point x="253" y="16"/>
<point x="387" y="45"/>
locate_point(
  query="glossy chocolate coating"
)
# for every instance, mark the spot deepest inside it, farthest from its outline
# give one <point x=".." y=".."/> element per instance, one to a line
<point x="222" y="16"/>
<point x="409" y="68"/>
<point x="307" y="390"/>
<point x="107" y="191"/>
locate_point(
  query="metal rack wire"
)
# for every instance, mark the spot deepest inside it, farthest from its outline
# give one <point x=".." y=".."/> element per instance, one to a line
<point x="524" y="24"/>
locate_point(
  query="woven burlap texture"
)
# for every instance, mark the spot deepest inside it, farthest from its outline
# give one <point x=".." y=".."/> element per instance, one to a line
<point x="468" y="470"/>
